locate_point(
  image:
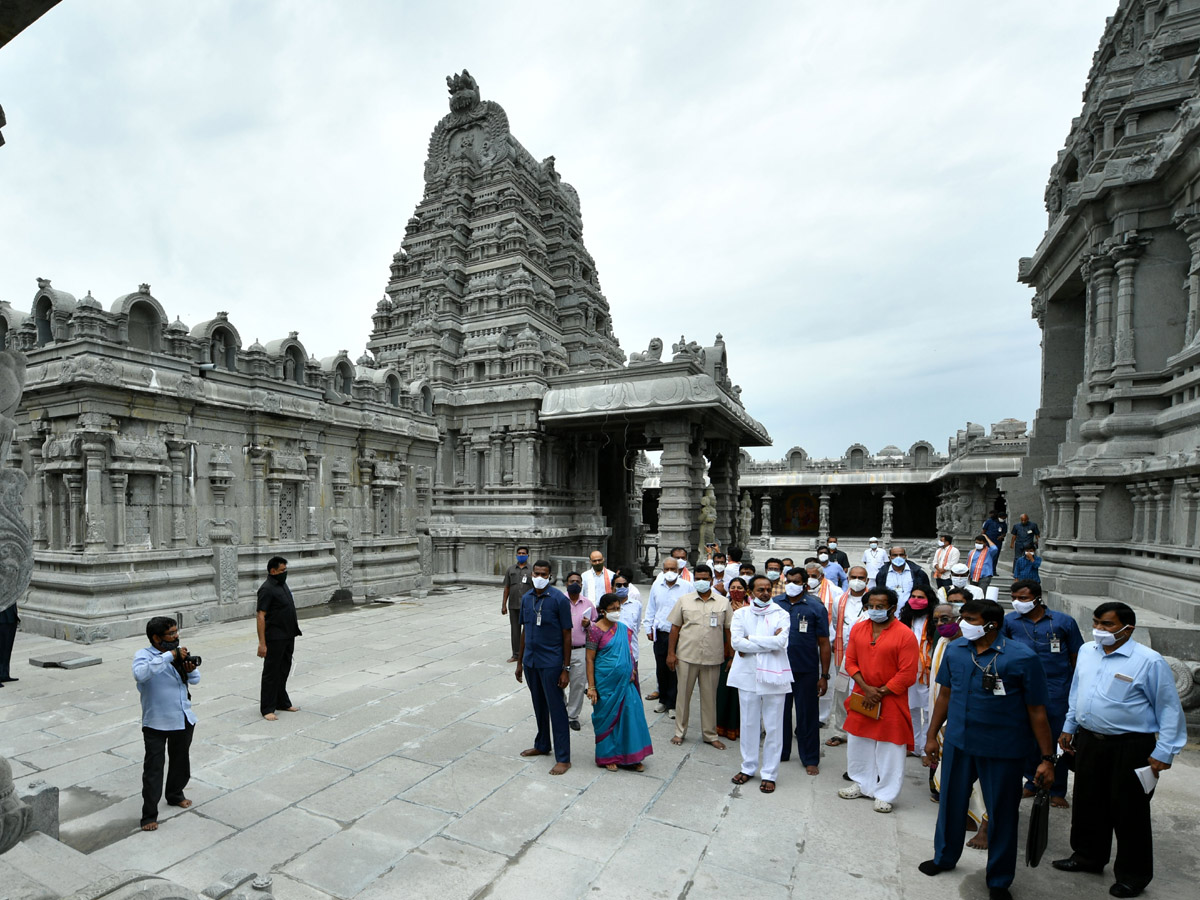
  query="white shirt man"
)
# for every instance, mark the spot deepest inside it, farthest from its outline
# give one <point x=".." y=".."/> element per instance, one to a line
<point x="944" y="558"/>
<point x="874" y="558"/>
<point x="960" y="578"/>
<point x="761" y="673"/>
<point x="597" y="581"/>
<point x="631" y="609"/>
<point x="684" y="573"/>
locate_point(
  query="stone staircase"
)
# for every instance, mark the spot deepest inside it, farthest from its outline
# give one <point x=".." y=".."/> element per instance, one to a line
<point x="41" y="868"/>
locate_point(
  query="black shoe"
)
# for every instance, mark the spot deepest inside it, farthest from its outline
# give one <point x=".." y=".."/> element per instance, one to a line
<point x="9" y="679"/>
<point x="574" y="724"/>
<point x="846" y="776"/>
<point x="1070" y="864"/>
<point x="930" y="867"/>
<point x="1121" y="889"/>
<point x="998" y="893"/>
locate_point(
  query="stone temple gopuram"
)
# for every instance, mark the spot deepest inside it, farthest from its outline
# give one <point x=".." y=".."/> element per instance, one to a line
<point x="167" y="463"/>
<point x="1115" y="446"/>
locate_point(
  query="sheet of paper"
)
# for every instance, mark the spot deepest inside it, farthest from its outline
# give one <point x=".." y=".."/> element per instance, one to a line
<point x="1147" y="777"/>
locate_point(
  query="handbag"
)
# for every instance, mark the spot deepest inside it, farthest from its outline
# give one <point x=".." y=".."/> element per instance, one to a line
<point x="1039" y="827"/>
<point x="858" y="704"/>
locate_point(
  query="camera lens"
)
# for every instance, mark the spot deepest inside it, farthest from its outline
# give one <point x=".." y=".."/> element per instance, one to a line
<point x="194" y="659"/>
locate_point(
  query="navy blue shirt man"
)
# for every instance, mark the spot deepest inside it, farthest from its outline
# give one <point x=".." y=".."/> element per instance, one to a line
<point x="995" y="526"/>
<point x="993" y="704"/>
<point x="1025" y="536"/>
<point x="1055" y="638"/>
<point x="808" y="656"/>
<point x="545" y="652"/>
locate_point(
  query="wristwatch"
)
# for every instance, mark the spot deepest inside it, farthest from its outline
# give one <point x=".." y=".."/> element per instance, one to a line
<point x="1048" y="759"/>
<point x="566" y="668"/>
<point x="825" y="676"/>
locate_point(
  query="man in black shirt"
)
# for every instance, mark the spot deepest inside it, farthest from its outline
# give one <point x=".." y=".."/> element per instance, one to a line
<point x="277" y="633"/>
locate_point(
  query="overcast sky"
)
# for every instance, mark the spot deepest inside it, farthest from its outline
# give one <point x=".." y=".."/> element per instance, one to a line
<point x="841" y="189"/>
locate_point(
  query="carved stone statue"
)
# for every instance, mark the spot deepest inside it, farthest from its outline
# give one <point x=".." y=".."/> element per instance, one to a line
<point x="745" y="518"/>
<point x="708" y="518"/>
<point x="289" y="368"/>
<point x="14" y="815"/>
<point x="652" y="354"/>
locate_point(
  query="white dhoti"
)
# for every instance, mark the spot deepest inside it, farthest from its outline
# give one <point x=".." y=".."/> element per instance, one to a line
<point x="876" y="766"/>
<point x="832" y="707"/>
<point x="918" y="706"/>
<point x="767" y="709"/>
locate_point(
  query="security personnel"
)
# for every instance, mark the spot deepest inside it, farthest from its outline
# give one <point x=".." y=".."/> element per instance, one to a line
<point x="993" y="703"/>
<point x="808" y="641"/>
<point x="1123" y="715"/>
<point x="1055" y="638"/>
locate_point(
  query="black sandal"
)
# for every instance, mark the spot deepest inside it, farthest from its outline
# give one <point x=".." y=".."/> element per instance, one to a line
<point x="767" y="787"/>
<point x="740" y="778"/>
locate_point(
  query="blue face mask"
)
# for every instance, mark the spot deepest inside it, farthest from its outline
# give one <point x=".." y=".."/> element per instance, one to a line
<point x="702" y="586"/>
<point x="522" y="558"/>
<point x="622" y="592"/>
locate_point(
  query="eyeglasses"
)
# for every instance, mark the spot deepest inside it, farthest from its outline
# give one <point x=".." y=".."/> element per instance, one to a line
<point x="943" y="620"/>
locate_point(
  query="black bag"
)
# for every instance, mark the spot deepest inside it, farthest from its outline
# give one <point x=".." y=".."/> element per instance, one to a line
<point x="1039" y="827"/>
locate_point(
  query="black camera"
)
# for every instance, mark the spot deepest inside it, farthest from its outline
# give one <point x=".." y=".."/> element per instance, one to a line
<point x="194" y="659"/>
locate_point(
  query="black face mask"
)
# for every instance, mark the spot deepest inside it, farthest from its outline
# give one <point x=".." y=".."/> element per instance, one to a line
<point x="281" y="577"/>
<point x="166" y="645"/>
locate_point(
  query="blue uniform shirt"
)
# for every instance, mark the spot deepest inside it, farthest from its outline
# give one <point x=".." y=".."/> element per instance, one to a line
<point x="981" y="722"/>
<point x="1024" y="570"/>
<point x="544" y="643"/>
<point x="802" y="639"/>
<point x="1026" y="535"/>
<point x="996" y="530"/>
<point x="1041" y="638"/>
<point x="1129" y="690"/>
<point x="165" y="703"/>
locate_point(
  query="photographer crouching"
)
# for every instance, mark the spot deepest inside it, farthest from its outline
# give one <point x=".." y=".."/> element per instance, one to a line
<point x="163" y="672"/>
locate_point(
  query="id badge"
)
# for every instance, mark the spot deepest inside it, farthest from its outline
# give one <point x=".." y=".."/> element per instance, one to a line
<point x="1055" y="645"/>
<point x="524" y="579"/>
<point x="539" y="618"/>
<point x="712" y="620"/>
<point x="998" y="690"/>
<point x="802" y="625"/>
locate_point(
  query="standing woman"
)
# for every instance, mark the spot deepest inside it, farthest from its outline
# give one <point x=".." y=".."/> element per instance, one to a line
<point x="915" y="614"/>
<point x="729" y="711"/>
<point x="622" y="737"/>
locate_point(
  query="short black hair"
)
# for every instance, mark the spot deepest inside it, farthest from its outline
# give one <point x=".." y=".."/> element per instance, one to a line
<point x="749" y="566"/>
<point x="158" y="626"/>
<point x="1034" y="587"/>
<point x="824" y="547"/>
<point x="542" y="564"/>
<point x="1125" y="613"/>
<point x="758" y="578"/>
<point x="811" y="559"/>
<point x="773" y="559"/>
<point x="607" y="600"/>
<point x="787" y="560"/>
<point x="626" y="573"/>
<point x="989" y="610"/>
<point x="948" y="538"/>
<point x="735" y="553"/>
<point x="893" y="598"/>
<point x="569" y="574"/>
<point x="703" y="567"/>
<point x="682" y="550"/>
<point x="275" y="562"/>
<point x="719" y="555"/>
<point x="962" y="592"/>
<point x="740" y="580"/>
<point x="521" y="547"/>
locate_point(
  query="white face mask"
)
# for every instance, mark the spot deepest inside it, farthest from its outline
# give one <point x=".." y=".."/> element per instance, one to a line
<point x="773" y="574"/>
<point x="941" y="543"/>
<point x="1106" y="638"/>
<point x="761" y="604"/>
<point x="540" y="583"/>
<point x="670" y="577"/>
<point x="978" y="546"/>
<point x="814" y="583"/>
<point x="857" y="585"/>
<point x="1024" y="607"/>
<point x="877" y="615"/>
<point x="874" y="546"/>
<point x="972" y="632"/>
<point x="720" y="567"/>
<point x="702" y="586"/>
<point x="793" y="590"/>
<point x="682" y="563"/>
<point x="613" y="615"/>
<point x="958" y="580"/>
<point x="823" y="557"/>
<point x="786" y="569"/>
<point x="898" y="561"/>
<point x="833" y="545"/>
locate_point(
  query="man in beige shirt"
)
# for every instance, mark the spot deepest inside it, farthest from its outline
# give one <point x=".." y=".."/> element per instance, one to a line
<point x="698" y="647"/>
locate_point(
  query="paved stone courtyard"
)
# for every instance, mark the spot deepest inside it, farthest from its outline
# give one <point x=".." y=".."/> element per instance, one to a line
<point x="401" y="777"/>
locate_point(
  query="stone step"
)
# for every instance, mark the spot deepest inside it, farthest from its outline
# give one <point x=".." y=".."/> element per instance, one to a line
<point x="61" y="870"/>
<point x="1164" y="633"/>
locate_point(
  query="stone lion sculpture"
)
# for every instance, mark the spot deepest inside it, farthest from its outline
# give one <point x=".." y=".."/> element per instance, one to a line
<point x="652" y="354"/>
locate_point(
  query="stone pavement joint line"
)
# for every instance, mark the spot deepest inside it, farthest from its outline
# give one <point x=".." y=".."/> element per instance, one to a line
<point x="401" y="776"/>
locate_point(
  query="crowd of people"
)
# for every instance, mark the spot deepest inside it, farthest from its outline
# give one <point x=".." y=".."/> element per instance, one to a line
<point x="998" y="706"/>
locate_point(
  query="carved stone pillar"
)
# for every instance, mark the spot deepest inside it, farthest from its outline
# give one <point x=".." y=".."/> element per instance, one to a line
<point x="258" y="472"/>
<point x="1088" y="497"/>
<point x="509" y="458"/>
<point x="176" y="451"/>
<point x="765" y="513"/>
<point x="460" y="459"/>
<point x="885" y="530"/>
<point x="439" y="471"/>
<point x="1188" y="221"/>
<point x="823" y="516"/>
<point x="1191" y="511"/>
<point x="1126" y="256"/>
<point x="724" y="477"/>
<point x="95" y="538"/>
<point x="1101" y="271"/>
<point x="366" y="468"/>
<point x="376" y="509"/>
<point x="1161" y="490"/>
<point x="495" y="459"/>
<point x="1062" y="499"/>
<point x="274" y="490"/>
<point x="74" y="485"/>
<point x="41" y="538"/>
<point x="313" y="489"/>
<point x="676" y="503"/>
<point x="119" y="482"/>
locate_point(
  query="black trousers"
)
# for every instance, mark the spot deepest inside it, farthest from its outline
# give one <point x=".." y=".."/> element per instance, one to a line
<point x="8" y="634"/>
<point x="514" y="625"/>
<point x="668" y="683"/>
<point x="1108" y="800"/>
<point x="275" y="671"/>
<point x="179" y="772"/>
<point x="808" y="734"/>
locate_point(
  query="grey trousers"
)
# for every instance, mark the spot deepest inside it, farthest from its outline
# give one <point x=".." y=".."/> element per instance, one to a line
<point x="578" y="687"/>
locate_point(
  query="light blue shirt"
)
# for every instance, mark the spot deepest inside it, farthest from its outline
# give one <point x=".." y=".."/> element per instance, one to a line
<point x="663" y="598"/>
<point x="165" y="703"/>
<point x="835" y="573"/>
<point x="1131" y="689"/>
<point x="901" y="582"/>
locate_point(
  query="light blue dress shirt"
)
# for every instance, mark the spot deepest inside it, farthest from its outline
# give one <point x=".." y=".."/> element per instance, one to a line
<point x="1131" y="689"/>
<point x="165" y="703"/>
<point x="835" y="573"/>
<point x="663" y="597"/>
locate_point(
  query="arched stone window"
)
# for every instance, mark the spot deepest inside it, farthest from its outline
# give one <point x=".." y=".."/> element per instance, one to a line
<point x="921" y="457"/>
<point x="3" y="333"/>
<point x="426" y="400"/>
<point x="393" y="390"/>
<point x="43" y="318"/>
<point x="858" y="458"/>
<point x="345" y="380"/>
<point x="144" y="327"/>
<point x="294" y="371"/>
<point x="224" y="349"/>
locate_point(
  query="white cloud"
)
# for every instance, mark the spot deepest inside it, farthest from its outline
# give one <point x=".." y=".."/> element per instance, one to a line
<point x="842" y="190"/>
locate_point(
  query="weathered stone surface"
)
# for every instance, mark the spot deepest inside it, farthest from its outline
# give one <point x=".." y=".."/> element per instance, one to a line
<point x="42" y="800"/>
<point x="68" y="660"/>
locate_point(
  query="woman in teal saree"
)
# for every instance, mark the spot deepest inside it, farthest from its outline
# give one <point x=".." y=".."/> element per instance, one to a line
<point x="618" y="718"/>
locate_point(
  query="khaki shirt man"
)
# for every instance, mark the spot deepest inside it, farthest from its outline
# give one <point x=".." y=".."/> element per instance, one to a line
<point x="699" y="645"/>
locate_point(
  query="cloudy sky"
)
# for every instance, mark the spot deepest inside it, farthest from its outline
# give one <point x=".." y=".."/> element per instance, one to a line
<point x="841" y="189"/>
